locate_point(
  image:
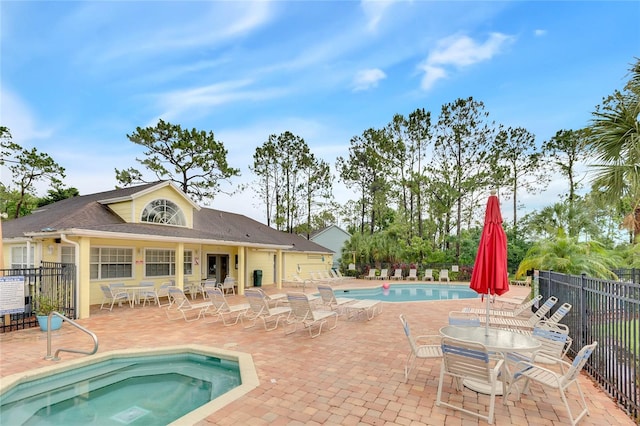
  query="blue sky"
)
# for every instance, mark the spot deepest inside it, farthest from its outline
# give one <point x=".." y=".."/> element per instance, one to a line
<point x="77" y="77"/>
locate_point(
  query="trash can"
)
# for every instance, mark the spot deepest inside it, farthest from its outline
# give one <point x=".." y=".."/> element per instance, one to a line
<point x="257" y="278"/>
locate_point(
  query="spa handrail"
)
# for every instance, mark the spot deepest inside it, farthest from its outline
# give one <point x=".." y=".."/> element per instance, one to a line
<point x="75" y="324"/>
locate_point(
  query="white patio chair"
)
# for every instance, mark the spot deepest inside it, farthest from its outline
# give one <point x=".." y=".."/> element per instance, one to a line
<point x="444" y="275"/>
<point x="229" y="284"/>
<point x="163" y="291"/>
<point x="221" y="309"/>
<point x="372" y="274"/>
<point x="259" y="310"/>
<point x="304" y="315"/>
<point x="530" y="322"/>
<point x="112" y="295"/>
<point x="517" y="311"/>
<point x="384" y="274"/>
<point x="468" y="361"/>
<point x="422" y="347"/>
<point x="148" y="294"/>
<point x="274" y="300"/>
<point x="428" y="275"/>
<point x="397" y="274"/>
<point x="181" y="304"/>
<point x="330" y="300"/>
<point x="413" y="274"/>
<point x="561" y="381"/>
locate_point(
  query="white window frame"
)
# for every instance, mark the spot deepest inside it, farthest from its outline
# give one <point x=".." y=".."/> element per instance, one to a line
<point x="166" y="257"/>
<point x="97" y="266"/>
<point x="21" y="263"/>
<point x="164" y="212"/>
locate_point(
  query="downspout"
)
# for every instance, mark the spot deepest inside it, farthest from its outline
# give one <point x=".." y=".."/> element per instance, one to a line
<point x="76" y="252"/>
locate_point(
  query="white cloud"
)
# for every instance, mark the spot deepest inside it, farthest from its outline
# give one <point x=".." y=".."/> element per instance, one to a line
<point x="367" y="79"/>
<point x="460" y="51"/>
<point x="19" y="119"/>
<point x="539" y="32"/>
<point x="374" y="11"/>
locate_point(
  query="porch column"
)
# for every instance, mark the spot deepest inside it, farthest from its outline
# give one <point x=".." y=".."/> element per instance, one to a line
<point x="180" y="265"/>
<point x="241" y="270"/>
<point x="84" y="275"/>
<point x="280" y="268"/>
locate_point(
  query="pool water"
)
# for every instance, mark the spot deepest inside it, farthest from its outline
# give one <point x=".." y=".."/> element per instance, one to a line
<point x="409" y="292"/>
<point x="147" y="390"/>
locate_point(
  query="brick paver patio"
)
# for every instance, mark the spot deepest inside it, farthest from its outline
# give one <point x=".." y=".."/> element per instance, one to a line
<point x="352" y="375"/>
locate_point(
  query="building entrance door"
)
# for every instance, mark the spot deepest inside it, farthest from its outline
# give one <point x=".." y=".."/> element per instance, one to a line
<point x="217" y="266"/>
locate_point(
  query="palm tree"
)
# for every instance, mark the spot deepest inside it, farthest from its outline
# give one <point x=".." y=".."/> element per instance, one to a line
<point x="566" y="255"/>
<point x="615" y="138"/>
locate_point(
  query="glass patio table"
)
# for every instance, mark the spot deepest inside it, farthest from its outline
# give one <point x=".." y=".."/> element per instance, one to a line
<point x="495" y="340"/>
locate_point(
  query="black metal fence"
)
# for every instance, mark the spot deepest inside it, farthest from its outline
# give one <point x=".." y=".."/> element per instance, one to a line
<point x="57" y="280"/>
<point x="607" y="312"/>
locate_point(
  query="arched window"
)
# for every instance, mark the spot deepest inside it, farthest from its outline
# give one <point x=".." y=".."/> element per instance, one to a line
<point x="163" y="211"/>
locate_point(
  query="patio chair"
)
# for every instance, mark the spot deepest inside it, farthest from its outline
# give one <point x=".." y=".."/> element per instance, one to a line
<point x="330" y="300"/>
<point x="464" y="360"/>
<point x="229" y="283"/>
<point x="274" y="300"/>
<point x="428" y="275"/>
<point x="397" y="274"/>
<point x="304" y="315"/>
<point x="364" y="308"/>
<point x="560" y="381"/>
<point x="517" y="311"/>
<point x="384" y="274"/>
<point x="209" y="283"/>
<point x="259" y="309"/>
<point x="297" y="280"/>
<point x="444" y="275"/>
<point x="526" y="282"/>
<point x="221" y="309"/>
<point x="464" y="319"/>
<point x="112" y="295"/>
<point x="149" y="294"/>
<point x="192" y="288"/>
<point x="163" y="291"/>
<point x="422" y="347"/>
<point x="372" y="274"/>
<point x="413" y="274"/>
<point x="181" y="305"/>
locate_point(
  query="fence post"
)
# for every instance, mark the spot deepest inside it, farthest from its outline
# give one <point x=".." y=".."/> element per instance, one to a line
<point x="584" y="314"/>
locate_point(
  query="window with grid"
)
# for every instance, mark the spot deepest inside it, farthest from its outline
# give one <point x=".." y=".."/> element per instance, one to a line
<point x="19" y="258"/>
<point x="109" y="262"/>
<point x="161" y="263"/>
<point x="163" y="211"/>
<point x="68" y="254"/>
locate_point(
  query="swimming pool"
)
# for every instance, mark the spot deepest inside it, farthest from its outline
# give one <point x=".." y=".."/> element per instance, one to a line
<point x="409" y="292"/>
<point x="152" y="387"/>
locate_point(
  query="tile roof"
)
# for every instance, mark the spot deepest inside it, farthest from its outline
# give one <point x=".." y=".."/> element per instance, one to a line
<point x="88" y="214"/>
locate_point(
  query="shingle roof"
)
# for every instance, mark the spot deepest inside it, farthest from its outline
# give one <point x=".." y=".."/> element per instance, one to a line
<point x="87" y="213"/>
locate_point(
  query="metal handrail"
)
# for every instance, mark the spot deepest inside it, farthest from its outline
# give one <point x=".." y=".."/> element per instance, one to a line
<point x="75" y="324"/>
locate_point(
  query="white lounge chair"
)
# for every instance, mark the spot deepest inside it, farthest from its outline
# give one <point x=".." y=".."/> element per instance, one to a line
<point x="517" y="311"/>
<point x="560" y="381"/>
<point x="304" y="315"/>
<point x="530" y="322"/>
<point x="297" y="280"/>
<point x="221" y="309"/>
<point x="397" y="274"/>
<point x="274" y="300"/>
<point x="259" y="310"/>
<point x="181" y="304"/>
<point x="422" y="347"/>
<point x="364" y="308"/>
<point x="384" y="274"/>
<point x="372" y="274"/>
<point x="464" y="360"/>
<point x="413" y="274"/>
<point x="464" y="319"/>
<point x="330" y="300"/>
<point x="428" y="275"/>
<point x="112" y="295"/>
<point x="444" y="275"/>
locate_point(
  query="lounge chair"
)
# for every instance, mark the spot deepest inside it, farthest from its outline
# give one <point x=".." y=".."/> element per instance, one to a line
<point x="413" y="274"/>
<point x="112" y="295"/>
<point x="372" y="274"/>
<point x="181" y="304"/>
<point x="464" y="360"/>
<point x="464" y="319"/>
<point x="560" y="381"/>
<point x="229" y="284"/>
<point x="428" y="275"/>
<point x="259" y="310"/>
<point x="526" y="282"/>
<point x="520" y="309"/>
<point x="422" y="347"/>
<point x="330" y="300"/>
<point x="274" y="300"/>
<point x="364" y="308"/>
<point x="444" y="275"/>
<point x="221" y="309"/>
<point x="384" y="274"/>
<point x="299" y="281"/>
<point x="529" y="323"/>
<point x="304" y="315"/>
<point x="397" y="274"/>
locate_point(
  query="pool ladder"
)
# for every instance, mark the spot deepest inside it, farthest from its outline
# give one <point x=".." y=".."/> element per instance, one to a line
<point x="76" y="325"/>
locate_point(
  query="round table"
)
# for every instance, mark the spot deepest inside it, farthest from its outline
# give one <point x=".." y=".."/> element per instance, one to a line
<point x="495" y="340"/>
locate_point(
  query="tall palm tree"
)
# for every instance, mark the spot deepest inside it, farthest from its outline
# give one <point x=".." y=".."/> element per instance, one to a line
<point x="615" y="138"/>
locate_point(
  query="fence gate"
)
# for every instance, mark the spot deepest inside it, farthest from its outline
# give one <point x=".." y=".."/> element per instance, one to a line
<point x="51" y="278"/>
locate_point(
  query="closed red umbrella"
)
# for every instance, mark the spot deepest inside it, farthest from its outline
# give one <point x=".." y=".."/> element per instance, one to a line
<point x="489" y="275"/>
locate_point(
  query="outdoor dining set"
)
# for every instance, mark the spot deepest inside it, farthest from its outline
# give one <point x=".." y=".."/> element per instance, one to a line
<point x="503" y="356"/>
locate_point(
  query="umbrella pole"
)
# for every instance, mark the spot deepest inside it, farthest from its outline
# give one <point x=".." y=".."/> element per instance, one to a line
<point x="486" y="324"/>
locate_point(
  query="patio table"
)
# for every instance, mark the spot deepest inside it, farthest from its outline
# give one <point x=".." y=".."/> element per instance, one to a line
<point x="134" y="292"/>
<point x="497" y="340"/>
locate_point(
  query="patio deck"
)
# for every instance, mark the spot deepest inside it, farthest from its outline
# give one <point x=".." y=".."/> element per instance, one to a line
<point x="351" y="375"/>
